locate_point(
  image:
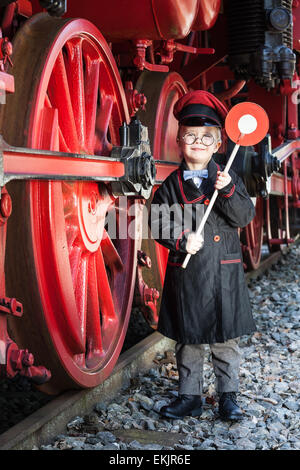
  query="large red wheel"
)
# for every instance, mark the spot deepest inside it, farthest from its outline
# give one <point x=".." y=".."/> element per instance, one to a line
<point x="75" y="282"/>
<point x="162" y="91"/>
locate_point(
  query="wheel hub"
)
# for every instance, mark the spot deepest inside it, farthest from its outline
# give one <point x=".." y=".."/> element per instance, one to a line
<point x="92" y="209"/>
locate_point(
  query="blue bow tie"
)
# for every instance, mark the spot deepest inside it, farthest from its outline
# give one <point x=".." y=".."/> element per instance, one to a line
<point x="188" y="174"/>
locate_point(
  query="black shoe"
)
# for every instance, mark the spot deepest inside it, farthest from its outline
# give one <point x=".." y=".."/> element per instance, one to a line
<point x="184" y="405"/>
<point x="228" y="407"/>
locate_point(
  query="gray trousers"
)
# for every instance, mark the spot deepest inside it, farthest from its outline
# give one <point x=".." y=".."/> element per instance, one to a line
<point x="226" y="361"/>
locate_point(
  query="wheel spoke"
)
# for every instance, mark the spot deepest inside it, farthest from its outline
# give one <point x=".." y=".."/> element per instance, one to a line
<point x="49" y="129"/>
<point x="91" y="94"/>
<point x="109" y="315"/>
<point x="110" y="253"/>
<point x="81" y="293"/>
<point x="93" y="328"/>
<point x="75" y="255"/>
<point x="62" y="143"/>
<point x="74" y="70"/>
<point x="102" y="146"/>
<point x="59" y="95"/>
<point x="70" y="207"/>
<point x="115" y="118"/>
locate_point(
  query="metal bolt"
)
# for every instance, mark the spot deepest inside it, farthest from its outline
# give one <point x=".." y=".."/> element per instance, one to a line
<point x="143" y="259"/>
<point x="7" y="48"/>
<point x="151" y="294"/>
<point x="6" y="205"/>
<point x="27" y="358"/>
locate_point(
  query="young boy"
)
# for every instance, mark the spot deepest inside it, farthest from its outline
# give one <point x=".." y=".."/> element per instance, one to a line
<point x="207" y="302"/>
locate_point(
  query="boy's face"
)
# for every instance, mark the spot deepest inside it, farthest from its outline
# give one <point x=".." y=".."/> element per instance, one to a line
<point x="198" y="154"/>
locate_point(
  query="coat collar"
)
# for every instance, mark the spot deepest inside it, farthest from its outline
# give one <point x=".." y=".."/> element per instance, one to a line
<point x="189" y="191"/>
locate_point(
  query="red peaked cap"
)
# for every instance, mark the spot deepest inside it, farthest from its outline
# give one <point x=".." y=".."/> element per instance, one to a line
<point x="200" y="104"/>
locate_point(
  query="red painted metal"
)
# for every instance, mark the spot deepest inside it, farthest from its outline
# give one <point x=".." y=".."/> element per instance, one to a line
<point x="296" y="25"/>
<point x="11" y="306"/>
<point x="277" y="233"/>
<point x="20" y="361"/>
<point x="163" y="170"/>
<point x="207" y="15"/>
<point x="275" y="105"/>
<point x="7" y="84"/>
<point x="140" y="58"/>
<point x="19" y="7"/>
<point x="146" y="297"/>
<point x="169" y="48"/>
<point x="21" y="164"/>
<point x="282" y="112"/>
<point x="163" y="91"/>
<point x="13" y="360"/>
<point x="81" y="281"/>
<point x="231" y="92"/>
<point x="5" y="51"/>
<point x="252" y="236"/>
<point x="7" y="20"/>
<point x="24" y="8"/>
<point x="147" y="19"/>
<point x="135" y="100"/>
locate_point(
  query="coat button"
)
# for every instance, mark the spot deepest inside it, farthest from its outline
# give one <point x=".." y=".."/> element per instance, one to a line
<point x="206" y="202"/>
<point x="216" y="238"/>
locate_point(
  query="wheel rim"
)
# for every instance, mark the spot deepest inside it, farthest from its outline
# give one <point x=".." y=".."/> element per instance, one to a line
<point x="84" y="280"/>
<point x="162" y="91"/>
<point x="252" y="236"/>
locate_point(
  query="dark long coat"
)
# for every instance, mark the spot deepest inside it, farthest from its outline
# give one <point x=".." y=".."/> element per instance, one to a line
<point x="208" y="301"/>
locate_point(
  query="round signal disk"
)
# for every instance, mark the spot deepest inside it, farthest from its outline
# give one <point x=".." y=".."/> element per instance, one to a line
<point x="248" y="119"/>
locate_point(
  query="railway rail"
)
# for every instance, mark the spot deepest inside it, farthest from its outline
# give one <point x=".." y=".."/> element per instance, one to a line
<point x="51" y="419"/>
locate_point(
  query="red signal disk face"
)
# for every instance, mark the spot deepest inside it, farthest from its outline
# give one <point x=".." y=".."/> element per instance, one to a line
<point x="249" y="119"/>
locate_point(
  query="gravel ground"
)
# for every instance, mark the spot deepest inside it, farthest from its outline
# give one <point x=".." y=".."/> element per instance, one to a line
<point x="269" y="388"/>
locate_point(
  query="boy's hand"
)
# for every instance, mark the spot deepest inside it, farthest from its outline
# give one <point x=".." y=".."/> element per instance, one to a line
<point x="194" y="243"/>
<point x="223" y="179"/>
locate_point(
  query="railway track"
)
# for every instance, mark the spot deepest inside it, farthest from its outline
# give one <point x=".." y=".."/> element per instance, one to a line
<point x="51" y="419"/>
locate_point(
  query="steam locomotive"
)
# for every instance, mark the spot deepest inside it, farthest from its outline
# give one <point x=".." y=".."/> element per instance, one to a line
<point x="87" y="134"/>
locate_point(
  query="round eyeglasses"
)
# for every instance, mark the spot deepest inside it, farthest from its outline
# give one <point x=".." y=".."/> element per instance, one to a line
<point x="190" y="138"/>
